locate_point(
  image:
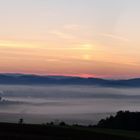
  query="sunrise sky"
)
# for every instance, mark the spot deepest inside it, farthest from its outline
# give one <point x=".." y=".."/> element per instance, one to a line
<point x="99" y="38"/>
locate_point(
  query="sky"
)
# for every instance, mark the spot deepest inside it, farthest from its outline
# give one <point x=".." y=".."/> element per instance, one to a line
<point x="88" y="38"/>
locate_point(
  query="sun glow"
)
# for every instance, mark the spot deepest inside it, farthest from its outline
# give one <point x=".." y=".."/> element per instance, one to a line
<point x="87" y="47"/>
<point x="87" y="57"/>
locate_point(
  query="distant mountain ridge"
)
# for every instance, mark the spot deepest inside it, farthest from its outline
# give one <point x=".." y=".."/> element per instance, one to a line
<point x="24" y="79"/>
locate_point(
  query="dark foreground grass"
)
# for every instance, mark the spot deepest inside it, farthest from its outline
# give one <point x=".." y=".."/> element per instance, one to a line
<point x="10" y="131"/>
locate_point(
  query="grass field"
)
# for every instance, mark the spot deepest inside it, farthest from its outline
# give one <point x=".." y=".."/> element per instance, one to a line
<point x="10" y="131"/>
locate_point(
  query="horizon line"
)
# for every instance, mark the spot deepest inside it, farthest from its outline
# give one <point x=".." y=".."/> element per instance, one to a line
<point x="86" y="76"/>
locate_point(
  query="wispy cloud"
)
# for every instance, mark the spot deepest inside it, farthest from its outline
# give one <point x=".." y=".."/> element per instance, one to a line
<point x="72" y="27"/>
<point x="61" y="34"/>
<point x="16" y="44"/>
<point x="66" y="31"/>
<point x="53" y="60"/>
<point x="113" y="36"/>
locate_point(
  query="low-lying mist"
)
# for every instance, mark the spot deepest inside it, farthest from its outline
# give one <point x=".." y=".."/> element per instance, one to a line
<point x="79" y="104"/>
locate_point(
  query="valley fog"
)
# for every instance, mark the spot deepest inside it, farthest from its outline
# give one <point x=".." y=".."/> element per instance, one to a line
<point x="73" y="104"/>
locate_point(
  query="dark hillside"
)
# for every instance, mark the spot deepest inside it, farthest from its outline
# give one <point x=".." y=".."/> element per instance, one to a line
<point x="47" y="132"/>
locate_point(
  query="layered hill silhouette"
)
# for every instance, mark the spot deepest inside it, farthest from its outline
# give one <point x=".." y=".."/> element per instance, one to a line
<point x="65" y="80"/>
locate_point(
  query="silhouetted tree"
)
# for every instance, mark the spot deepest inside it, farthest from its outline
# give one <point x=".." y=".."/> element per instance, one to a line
<point x="62" y="124"/>
<point x="123" y="120"/>
<point x="21" y="121"/>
